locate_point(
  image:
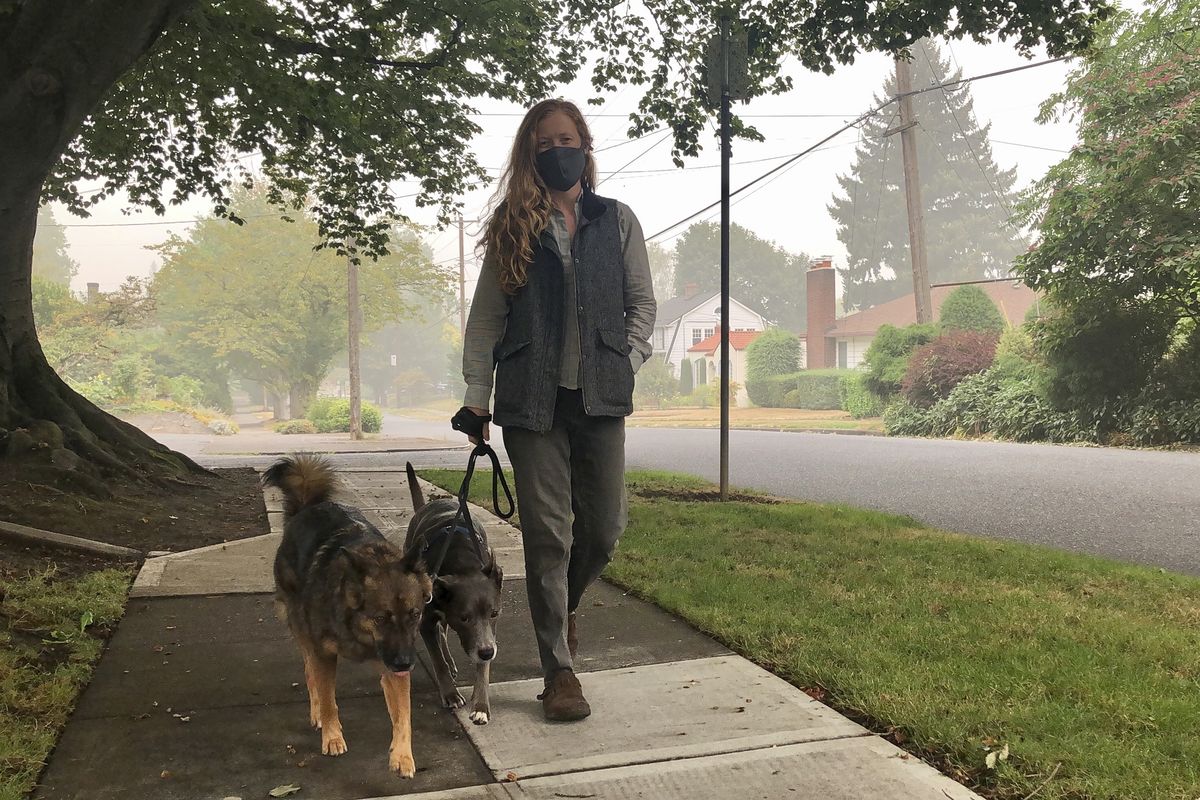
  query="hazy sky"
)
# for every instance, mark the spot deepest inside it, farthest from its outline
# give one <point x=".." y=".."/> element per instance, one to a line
<point x="789" y="209"/>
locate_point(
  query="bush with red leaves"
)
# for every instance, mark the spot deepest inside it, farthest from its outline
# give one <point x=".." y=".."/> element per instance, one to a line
<point x="936" y="368"/>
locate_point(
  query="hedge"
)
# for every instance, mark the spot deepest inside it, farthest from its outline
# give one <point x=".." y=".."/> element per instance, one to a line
<point x="813" y="389"/>
<point x="332" y="415"/>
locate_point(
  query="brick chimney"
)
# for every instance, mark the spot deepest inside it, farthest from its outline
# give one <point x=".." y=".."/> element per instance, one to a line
<point x="822" y="313"/>
<point x="690" y="290"/>
<point x="93" y="291"/>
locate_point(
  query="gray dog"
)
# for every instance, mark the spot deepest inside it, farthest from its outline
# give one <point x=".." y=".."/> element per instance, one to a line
<point x="466" y="596"/>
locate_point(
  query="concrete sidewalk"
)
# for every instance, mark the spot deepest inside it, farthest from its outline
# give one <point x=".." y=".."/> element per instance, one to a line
<point x="200" y="695"/>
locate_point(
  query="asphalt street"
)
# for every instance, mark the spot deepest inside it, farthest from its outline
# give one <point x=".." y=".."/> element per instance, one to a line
<point x="1133" y="505"/>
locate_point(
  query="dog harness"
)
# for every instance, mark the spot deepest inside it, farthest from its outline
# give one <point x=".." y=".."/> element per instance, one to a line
<point x="462" y="525"/>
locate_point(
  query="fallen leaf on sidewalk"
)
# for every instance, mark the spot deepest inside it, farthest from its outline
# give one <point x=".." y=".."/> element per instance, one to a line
<point x="510" y="777"/>
<point x="166" y="773"/>
<point x="285" y="790"/>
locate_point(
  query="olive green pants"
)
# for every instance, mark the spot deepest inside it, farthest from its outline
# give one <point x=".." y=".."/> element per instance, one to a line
<point x="571" y="494"/>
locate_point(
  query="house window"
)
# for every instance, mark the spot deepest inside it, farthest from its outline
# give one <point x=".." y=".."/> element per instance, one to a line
<point x="708" y="332"/>
<point x="697" y="335"/>
<point x="843" y="353"/>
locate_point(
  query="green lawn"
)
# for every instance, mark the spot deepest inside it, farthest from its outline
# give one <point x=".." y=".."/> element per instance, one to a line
<point x="956" y="646"/>
<point x="49" y="642"/>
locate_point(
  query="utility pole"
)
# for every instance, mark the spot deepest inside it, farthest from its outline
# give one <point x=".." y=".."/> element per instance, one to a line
<point x="355" y="327"/>
<point x="462" y="280"/>
<point x="912" y="191"/>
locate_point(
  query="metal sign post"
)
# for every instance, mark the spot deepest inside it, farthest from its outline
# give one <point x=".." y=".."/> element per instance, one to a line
<point x="724" y="258"/>
<point x="727" y="80"/>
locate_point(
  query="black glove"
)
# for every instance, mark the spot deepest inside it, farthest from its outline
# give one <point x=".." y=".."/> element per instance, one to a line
<point x="470" y="423"/>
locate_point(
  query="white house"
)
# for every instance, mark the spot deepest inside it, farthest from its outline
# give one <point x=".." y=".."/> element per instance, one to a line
<point x="689" y="319"/>
<point x="706" y="356"/>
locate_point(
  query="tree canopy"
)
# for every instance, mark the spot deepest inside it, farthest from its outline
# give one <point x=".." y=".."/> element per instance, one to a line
<point x="342" y="99"/>
<point x="763" y="275"/>
<point x="1119" y="219"/>
<point x="967" y="198"/>
<point x="1120" y="216"/>
<point x="259" y="299"/>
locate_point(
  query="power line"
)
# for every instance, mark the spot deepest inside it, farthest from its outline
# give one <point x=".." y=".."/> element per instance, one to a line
<point x="635" y="158"/>
<point x="856" y="122"/>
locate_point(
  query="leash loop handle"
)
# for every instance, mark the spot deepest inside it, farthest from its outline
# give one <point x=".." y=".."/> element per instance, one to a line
<point x="498" y="482"/>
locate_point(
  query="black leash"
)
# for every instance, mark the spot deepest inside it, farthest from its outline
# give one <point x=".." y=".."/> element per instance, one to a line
<point x="472" y="425"/>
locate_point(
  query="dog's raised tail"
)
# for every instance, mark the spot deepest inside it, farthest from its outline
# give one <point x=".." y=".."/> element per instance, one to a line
<point x="305" y="480"/>
<point x="414" y="488"/>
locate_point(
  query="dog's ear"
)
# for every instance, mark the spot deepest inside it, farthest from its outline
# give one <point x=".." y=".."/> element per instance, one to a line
<point x="493" y="570"/>
<point x="413" y="562"/>
<point x="443" y="588"/>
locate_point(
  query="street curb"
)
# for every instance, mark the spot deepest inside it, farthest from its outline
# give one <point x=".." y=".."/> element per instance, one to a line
<point x="21" y="533"/>
<point x="833" y="431"/>
<point x="267" y="454"/>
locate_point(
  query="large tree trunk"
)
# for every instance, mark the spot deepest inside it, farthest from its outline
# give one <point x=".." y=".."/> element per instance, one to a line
<point x="59" y="61"/>
<point x="300" y="397"/>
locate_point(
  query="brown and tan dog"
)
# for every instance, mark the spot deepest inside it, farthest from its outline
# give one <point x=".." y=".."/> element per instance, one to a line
<point x="346" y="592"/>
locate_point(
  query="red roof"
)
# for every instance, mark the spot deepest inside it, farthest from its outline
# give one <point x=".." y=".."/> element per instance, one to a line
<point x="738" y="340"/>
<point x="1012" y="298"/>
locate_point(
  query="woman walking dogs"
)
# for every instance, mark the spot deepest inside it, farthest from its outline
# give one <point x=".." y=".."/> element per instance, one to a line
<point x="563" y="315"/>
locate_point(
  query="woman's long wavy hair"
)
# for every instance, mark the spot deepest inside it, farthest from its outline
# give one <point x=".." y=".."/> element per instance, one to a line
<point x="521" y="205"/>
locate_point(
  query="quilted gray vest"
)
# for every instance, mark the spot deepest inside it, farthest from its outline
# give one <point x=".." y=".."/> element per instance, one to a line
<point x="528" y="354"/>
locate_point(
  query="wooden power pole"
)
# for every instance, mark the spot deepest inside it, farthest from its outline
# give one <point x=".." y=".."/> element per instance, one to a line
<point x="462" y="280"/>
<point x="355" y="327"/>
<point x="912" y="192"/>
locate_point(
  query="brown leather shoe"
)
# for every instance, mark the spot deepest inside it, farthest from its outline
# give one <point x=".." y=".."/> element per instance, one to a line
<point x="572" y="636"/>
<point x="562" y="699"/>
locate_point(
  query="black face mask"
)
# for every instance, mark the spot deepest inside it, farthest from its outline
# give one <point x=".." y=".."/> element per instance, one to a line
<point x="561" y="167"/>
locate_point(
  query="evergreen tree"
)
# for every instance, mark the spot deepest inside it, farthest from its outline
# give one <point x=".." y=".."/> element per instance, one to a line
<point x="967" y="198"/>
<point x="51" y="260"/>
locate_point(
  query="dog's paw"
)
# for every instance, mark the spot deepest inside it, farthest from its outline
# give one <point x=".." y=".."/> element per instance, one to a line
<point x="453" y="700"/>
<point x="333" y="744"/>
<point x="402" y="764"/>
<point x="314" y="719"/>
<point x="479" y="717"/>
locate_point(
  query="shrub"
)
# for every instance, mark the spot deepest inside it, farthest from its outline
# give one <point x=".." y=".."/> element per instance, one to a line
<point x="968" y="308"/>
<point x="98" y="389"/>
<point x="887" y="357"/>
<point x="654" y="384"/>
<point x="937" y="367"/>
<point x="902" y="418"/>
<point x="1170" y="422"/>
<point x="182" y="389"/>
<point x="857" y="399"/>
<point x="774" y="352"/>
<point x="1101" y="357"/>
<point x="332" y="415"/>
<point x="294" y="426"/>
<point x="770" y="392"/>
<point x="130" y="376"/>
<point x="818" y="389"/>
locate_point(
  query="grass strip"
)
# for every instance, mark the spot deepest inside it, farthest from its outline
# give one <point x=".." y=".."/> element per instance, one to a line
<point x="1084" y="671"/>
<point x="52" y="631"/>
